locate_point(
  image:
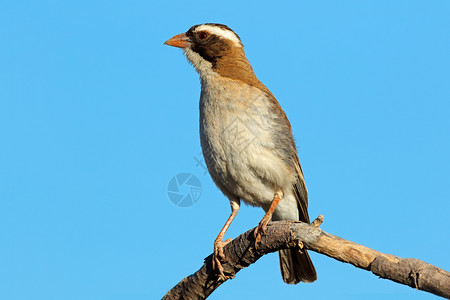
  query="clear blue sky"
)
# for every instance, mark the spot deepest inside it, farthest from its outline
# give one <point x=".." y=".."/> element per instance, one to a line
<point x="97" y="116"/>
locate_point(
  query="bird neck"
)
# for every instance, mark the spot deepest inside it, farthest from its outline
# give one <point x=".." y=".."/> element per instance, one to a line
<point x="236" y="66"/>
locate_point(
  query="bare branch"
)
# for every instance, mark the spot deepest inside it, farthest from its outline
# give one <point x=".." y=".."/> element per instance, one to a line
<point x="241" y="253"/>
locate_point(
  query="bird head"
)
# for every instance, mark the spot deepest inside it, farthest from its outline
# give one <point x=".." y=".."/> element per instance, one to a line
<point x="212" y="47"/>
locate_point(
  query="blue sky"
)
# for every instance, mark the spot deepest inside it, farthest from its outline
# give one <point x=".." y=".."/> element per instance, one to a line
<point x="97" y="116"/>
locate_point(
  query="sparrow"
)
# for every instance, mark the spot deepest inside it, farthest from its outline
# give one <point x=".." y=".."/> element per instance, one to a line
<point x="246" y="141"/>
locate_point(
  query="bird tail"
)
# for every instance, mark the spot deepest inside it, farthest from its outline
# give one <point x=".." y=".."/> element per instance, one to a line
<point x="296" y="266"/>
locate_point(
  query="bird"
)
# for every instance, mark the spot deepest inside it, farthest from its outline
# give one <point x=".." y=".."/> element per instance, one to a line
<point x="247" y="141"/>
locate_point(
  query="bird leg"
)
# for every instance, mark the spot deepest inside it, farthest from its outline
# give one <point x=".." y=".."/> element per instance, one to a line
<point x="261" y="229"/>
<point x="219" y="243"/>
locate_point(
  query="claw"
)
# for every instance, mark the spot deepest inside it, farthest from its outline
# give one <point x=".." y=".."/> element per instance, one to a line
<point x="218" y="254"/>
<point x="260" y="231"/>
<point x="219" y="243"/>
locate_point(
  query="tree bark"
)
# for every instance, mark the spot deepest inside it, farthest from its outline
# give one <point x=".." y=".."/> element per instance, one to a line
<point x="241" y="252"/>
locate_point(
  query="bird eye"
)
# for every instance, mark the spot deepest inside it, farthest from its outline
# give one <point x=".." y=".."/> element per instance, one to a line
<point x="202" y="35"/>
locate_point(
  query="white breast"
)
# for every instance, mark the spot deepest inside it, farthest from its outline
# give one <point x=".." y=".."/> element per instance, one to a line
<point x="237" y="141"/>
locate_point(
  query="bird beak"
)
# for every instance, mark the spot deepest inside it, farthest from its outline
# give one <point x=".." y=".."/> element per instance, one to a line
<point x="180" y="41"/>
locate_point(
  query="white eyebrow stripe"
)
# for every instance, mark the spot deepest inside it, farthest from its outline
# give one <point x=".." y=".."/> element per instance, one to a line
<point x="220" y="32"/>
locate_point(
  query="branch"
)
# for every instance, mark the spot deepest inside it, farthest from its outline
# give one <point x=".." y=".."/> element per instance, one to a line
<point x="241" y="253"/>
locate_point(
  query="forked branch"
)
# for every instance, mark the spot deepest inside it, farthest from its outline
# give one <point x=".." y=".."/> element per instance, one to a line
<point x="241" y="253"/>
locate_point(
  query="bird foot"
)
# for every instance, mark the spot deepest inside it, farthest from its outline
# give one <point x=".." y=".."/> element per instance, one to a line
<point x="218" y="255"/>
<point x="260" y="230"/>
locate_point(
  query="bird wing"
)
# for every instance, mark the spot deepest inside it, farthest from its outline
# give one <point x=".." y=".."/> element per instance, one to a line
<point x="283" y="126"/>
<point x="300" y="192"/>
